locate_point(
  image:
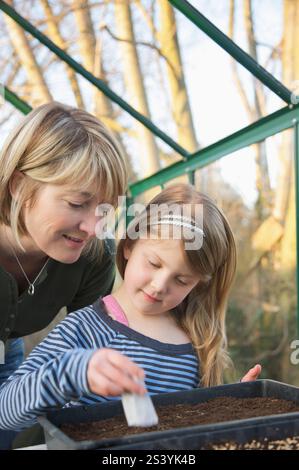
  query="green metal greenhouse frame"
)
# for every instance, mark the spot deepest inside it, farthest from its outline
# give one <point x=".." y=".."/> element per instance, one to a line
<point x="285" y="118"/>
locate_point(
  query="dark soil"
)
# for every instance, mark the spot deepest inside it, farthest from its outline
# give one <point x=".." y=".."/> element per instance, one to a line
<point x="184" y="415"/>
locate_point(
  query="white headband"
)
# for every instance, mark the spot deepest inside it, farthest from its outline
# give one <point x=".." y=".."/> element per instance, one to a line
<point x="179" y="221"/>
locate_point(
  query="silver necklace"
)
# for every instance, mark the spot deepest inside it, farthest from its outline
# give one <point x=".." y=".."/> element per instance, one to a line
<point x="31" y="288"/>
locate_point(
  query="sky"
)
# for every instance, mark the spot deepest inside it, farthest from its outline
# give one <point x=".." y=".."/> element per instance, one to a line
<point x="216" y="106"/>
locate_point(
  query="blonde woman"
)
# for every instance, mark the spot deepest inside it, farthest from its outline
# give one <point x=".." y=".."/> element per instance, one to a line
<point x="168" y="315"/>
<point x="56" y="167"/>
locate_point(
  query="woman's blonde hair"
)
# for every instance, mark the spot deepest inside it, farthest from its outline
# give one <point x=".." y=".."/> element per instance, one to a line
<point x="202" y="313"/>
<point x="58" y="144"/>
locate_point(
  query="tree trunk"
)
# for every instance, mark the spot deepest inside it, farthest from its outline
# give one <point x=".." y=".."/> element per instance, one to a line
<point x="254" y="111"/>
<point x="57" y="38"/>
<point x="285" y="194"/>
<point x="257" y="111"/>
<point x="87" y="41"/>
<point x="290" y="70"/>
<point x="179" y="97"/>
<point x="91" y="57"/>
<point x="21" y="45"/>
<point x="90" y="52"/>
<point x="135" y="86"/>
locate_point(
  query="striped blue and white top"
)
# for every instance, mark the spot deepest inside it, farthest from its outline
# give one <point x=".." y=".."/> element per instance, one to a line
<point x="55" y="373"/>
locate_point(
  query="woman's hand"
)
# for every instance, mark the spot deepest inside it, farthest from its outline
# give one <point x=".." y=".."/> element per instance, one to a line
<point x="252" y="374"/>
<point x="110" y="373"/>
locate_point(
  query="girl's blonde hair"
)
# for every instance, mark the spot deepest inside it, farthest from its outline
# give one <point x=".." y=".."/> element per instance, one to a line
<point x="202" y="313"/>
<point x="58" y="144"/>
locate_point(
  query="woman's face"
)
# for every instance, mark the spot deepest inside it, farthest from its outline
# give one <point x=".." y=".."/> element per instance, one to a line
<point x="61" y="221"/>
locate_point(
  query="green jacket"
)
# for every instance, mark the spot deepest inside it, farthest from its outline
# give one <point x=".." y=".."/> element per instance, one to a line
<point x="60" y="285"/>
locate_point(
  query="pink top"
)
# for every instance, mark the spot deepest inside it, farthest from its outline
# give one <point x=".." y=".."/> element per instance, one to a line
<point x="113" y="306"/>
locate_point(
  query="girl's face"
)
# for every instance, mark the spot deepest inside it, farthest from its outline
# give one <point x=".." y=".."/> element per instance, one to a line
<point x="61" y="221"/>
<point x="157" y="276"/>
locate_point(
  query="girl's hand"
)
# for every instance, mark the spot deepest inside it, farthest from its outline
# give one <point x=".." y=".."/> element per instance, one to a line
<point x="252" y="374"/>
<point x="110" y="373"/>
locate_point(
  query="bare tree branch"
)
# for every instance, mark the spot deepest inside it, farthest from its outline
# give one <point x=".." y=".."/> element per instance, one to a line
<point x="275" y="54"/>
<point x="136" y="43"/>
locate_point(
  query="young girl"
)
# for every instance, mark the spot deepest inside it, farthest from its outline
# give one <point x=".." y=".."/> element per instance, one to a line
<point x="167" y="318"/>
